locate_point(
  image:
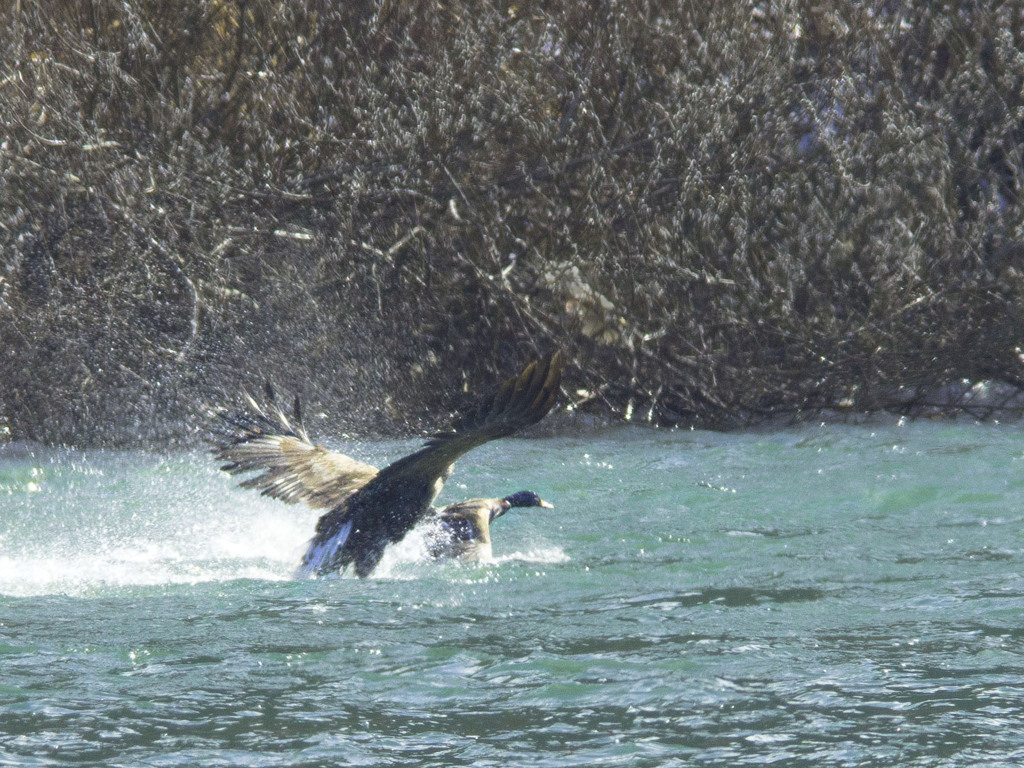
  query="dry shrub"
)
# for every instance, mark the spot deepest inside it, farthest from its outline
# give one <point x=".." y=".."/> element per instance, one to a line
<point x="723" y="212"/>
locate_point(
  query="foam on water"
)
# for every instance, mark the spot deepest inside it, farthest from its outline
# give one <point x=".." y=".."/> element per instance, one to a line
<point x="543" y="555"/>
<point x="409" y="558"/>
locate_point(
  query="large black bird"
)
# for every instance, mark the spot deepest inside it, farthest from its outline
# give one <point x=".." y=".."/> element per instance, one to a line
<point x="370" y="509"/>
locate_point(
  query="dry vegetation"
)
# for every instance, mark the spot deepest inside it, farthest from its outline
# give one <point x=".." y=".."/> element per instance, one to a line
<point x="721" y="211"/>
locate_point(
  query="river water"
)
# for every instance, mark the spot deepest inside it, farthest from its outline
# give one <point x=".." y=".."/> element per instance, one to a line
<point x="826" y="596"/>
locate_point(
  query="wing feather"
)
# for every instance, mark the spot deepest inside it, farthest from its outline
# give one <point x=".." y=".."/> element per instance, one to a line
<point x="291" y="468"/>
<point x="519" y="402"/>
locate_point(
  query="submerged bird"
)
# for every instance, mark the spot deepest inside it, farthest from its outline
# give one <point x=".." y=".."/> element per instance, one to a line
<point x="462" y="530"/>
<point x="370" y="508"/>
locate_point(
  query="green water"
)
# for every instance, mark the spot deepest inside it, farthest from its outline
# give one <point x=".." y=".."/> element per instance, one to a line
<point x="826" y="596"/>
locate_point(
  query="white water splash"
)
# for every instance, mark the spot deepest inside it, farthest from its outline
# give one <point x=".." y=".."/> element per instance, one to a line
<point x="409" y="558"/>
<point x="85" y="556"/>
<point x="547" y="555"/>
<point x="82" y="525"/>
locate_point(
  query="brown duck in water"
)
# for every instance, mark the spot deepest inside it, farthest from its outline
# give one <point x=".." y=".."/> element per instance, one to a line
<point x="462" y="530"/>
<point x="370" y="508"/>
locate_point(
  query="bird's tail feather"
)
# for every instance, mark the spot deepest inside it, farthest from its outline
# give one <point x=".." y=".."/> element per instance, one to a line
<point x="322" y="556"/>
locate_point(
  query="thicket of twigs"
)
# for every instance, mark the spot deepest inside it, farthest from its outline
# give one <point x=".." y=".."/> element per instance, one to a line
<point x="721" y="211"/>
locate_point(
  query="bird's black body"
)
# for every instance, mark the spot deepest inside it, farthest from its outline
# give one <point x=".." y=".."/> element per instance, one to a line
<point x="370" y="509"/>
<point x="381" y="513"/>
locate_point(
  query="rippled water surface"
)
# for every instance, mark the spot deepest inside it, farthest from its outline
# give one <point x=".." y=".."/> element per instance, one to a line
<point x="827" y="596"/>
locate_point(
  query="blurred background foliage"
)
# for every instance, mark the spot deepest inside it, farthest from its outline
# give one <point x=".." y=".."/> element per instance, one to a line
<point x="723" y="212"/>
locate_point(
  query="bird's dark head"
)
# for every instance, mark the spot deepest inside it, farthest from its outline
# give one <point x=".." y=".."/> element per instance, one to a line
<point x="526" y="499"/>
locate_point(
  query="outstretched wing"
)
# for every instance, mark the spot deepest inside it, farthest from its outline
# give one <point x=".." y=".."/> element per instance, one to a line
<point x="387" y="507"/>
<point x="519" y="402"/>
<point x="290" y="467"/>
